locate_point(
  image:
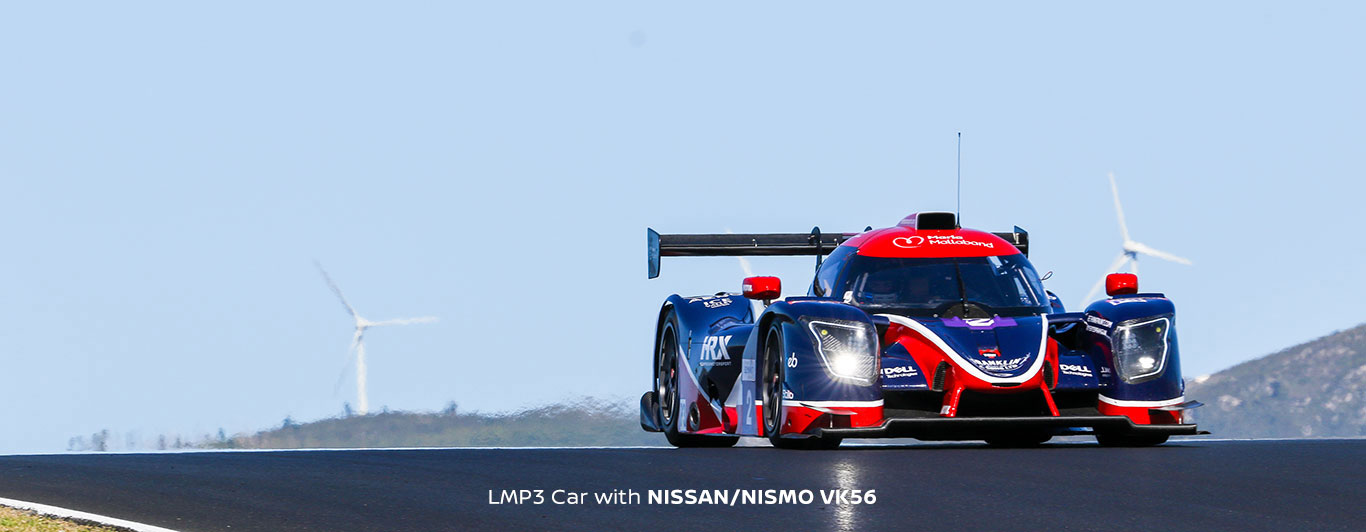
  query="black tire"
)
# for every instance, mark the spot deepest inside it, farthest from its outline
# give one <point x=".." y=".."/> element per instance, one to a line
<point x="1130" y="440"/>
<point x="774" y="369"/>
<point x="1019" y="440"/>
<point x="666" y="389"/>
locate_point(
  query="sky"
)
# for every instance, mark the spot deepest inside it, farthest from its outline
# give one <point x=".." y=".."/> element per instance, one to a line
<point x="171" y="170"/>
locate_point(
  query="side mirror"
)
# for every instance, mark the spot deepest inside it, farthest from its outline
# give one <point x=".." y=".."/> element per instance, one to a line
<point x="1118" y="284"/>
<point x="762" y="288"/>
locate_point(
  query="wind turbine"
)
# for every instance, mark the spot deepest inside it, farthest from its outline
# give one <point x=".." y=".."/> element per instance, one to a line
<point x="358" y="341"/>
<point x="1130" y="248"/>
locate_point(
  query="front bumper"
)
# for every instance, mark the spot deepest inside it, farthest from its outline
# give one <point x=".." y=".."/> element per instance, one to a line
<point x="977" y="428"/>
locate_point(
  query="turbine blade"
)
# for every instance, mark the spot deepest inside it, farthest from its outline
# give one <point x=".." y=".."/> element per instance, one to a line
<point x="1146" y="250"/>
<point x="335" y="290"/>
<point x="744" y="262"/>
<point x="744" y="265"/>
<point x="1119" y="210"/>
<point x="404" y="321"/>
<point x="1095" y="290"/>
<point x="350" y="361"/>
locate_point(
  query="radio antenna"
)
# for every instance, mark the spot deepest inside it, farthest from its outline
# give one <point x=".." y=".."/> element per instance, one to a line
<point x="958" y="215"/>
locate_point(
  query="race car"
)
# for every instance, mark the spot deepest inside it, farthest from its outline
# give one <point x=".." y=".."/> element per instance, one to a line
<point x="924" y="330"/>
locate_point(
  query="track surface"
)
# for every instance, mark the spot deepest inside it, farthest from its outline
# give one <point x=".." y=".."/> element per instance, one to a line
<point x="1190" y="485"/>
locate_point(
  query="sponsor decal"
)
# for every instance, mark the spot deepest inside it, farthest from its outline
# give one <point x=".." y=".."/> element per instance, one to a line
<point x="989" y="353"/>
<point x="787" y="394"/>
<point x="908" y="242"/>
<point x="1104" y="371"/>
<point x="1123" y="300"/>
<point x="1097" y="330"/>
<point x="714" y="351"/>
<point x="911" y="242"/>
<point x="999" y="365"/>
<point x="792" y="360"/>
<point x="979" y="324"/>
<point x="899" y="371"/>
<point x="1076" y="370"/>
<point x="747" y="369"/>
<point x="1092" y="318"/>
<point x="712" y="301"/>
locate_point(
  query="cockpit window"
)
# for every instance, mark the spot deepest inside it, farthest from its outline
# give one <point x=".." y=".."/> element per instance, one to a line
<point x="824" y="283"/>
<point x="1003" y="286"/>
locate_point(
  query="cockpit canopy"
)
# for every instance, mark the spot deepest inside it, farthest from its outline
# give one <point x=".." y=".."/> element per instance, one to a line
<point x="1004" y="285"/>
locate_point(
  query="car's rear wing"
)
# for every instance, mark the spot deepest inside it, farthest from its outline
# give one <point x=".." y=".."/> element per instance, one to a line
<point x="740" y="245"/>
<point x="766" y="244"/>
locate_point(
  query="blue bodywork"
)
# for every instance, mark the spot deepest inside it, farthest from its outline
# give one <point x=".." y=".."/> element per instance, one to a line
<point x="849" y="359"/>
<point x="718" y="332"/>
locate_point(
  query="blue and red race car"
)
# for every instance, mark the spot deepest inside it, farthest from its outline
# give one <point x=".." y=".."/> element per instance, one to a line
<point x="924" y="330"/>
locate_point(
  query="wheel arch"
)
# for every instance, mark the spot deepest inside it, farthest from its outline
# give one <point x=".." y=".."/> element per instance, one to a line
<point x="664" y="312"/>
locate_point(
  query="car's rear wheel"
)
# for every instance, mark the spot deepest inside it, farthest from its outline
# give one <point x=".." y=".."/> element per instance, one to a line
<point x="1130" y="440"/>
<point x="775" y="365"/>
<point x="667" y="375"/>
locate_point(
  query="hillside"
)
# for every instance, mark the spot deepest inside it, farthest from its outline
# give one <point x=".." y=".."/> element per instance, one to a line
<point x="1315" y="389"/>
<point x="587" y="422"/>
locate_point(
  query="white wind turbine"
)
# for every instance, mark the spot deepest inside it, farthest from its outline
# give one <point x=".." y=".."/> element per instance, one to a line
<point x="358" y="341"/>
<point x="1130" y="249"/>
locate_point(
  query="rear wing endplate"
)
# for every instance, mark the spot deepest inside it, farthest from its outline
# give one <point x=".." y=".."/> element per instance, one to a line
<point x="1018" y="238"/>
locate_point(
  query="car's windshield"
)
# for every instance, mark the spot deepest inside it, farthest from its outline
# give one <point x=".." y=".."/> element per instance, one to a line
<point x="1004" y="286"/>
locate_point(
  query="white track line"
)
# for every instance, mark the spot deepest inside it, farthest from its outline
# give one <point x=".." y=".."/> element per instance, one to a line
<point x="908" y="441"/>
<point x="63" y="513"/>
<point x="331" y="449"/>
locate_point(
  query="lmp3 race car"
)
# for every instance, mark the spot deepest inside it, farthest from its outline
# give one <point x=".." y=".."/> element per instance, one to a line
<point x="923" y="330"/>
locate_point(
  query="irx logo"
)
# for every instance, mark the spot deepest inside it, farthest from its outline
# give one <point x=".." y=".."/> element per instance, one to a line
<point x="714" y="348"/>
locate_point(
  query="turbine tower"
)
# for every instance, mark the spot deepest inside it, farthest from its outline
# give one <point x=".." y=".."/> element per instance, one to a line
<point x="358" y="340"/>
<point x="1130" y="250"/>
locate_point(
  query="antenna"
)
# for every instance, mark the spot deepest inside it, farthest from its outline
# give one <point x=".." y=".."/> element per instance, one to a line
<point x="958" y="214"/>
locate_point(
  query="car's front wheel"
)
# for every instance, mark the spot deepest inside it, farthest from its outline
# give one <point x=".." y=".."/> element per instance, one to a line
<point x="775" y="365"/>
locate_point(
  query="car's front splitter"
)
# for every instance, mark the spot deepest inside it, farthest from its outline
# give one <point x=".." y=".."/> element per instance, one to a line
<point x="977" y="428"/>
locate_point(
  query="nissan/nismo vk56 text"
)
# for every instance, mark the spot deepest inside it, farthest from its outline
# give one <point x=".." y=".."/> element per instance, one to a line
<point x="924" y="330"/>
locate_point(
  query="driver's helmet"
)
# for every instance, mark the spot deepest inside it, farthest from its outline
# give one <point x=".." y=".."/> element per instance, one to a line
<point x="879" y="290"/>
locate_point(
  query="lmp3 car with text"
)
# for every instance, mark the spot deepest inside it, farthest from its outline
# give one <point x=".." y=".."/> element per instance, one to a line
<point x="924" y="330"/>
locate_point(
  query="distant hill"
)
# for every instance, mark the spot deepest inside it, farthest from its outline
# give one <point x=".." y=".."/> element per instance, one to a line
<point x="1315" y="389"/>
<point x="586" y="422"/>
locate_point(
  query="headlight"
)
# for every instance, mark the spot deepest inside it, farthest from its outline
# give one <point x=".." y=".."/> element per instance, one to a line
<point x="1140" y="348"/>
<point x="848" y="348"/>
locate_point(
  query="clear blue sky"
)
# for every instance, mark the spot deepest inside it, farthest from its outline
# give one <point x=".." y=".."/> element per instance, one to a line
<point x="170" y="171"/>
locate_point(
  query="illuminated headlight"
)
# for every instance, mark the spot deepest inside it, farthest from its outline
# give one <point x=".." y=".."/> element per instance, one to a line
<point x="848" y="348"/>
<point x="1140" y="348"/>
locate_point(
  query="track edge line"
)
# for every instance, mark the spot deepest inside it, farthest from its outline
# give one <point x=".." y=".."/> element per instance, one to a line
<point x="82" y="517"/>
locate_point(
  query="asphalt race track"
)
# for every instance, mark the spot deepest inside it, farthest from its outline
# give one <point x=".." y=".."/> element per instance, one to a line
<point x="1188" y="485"/>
